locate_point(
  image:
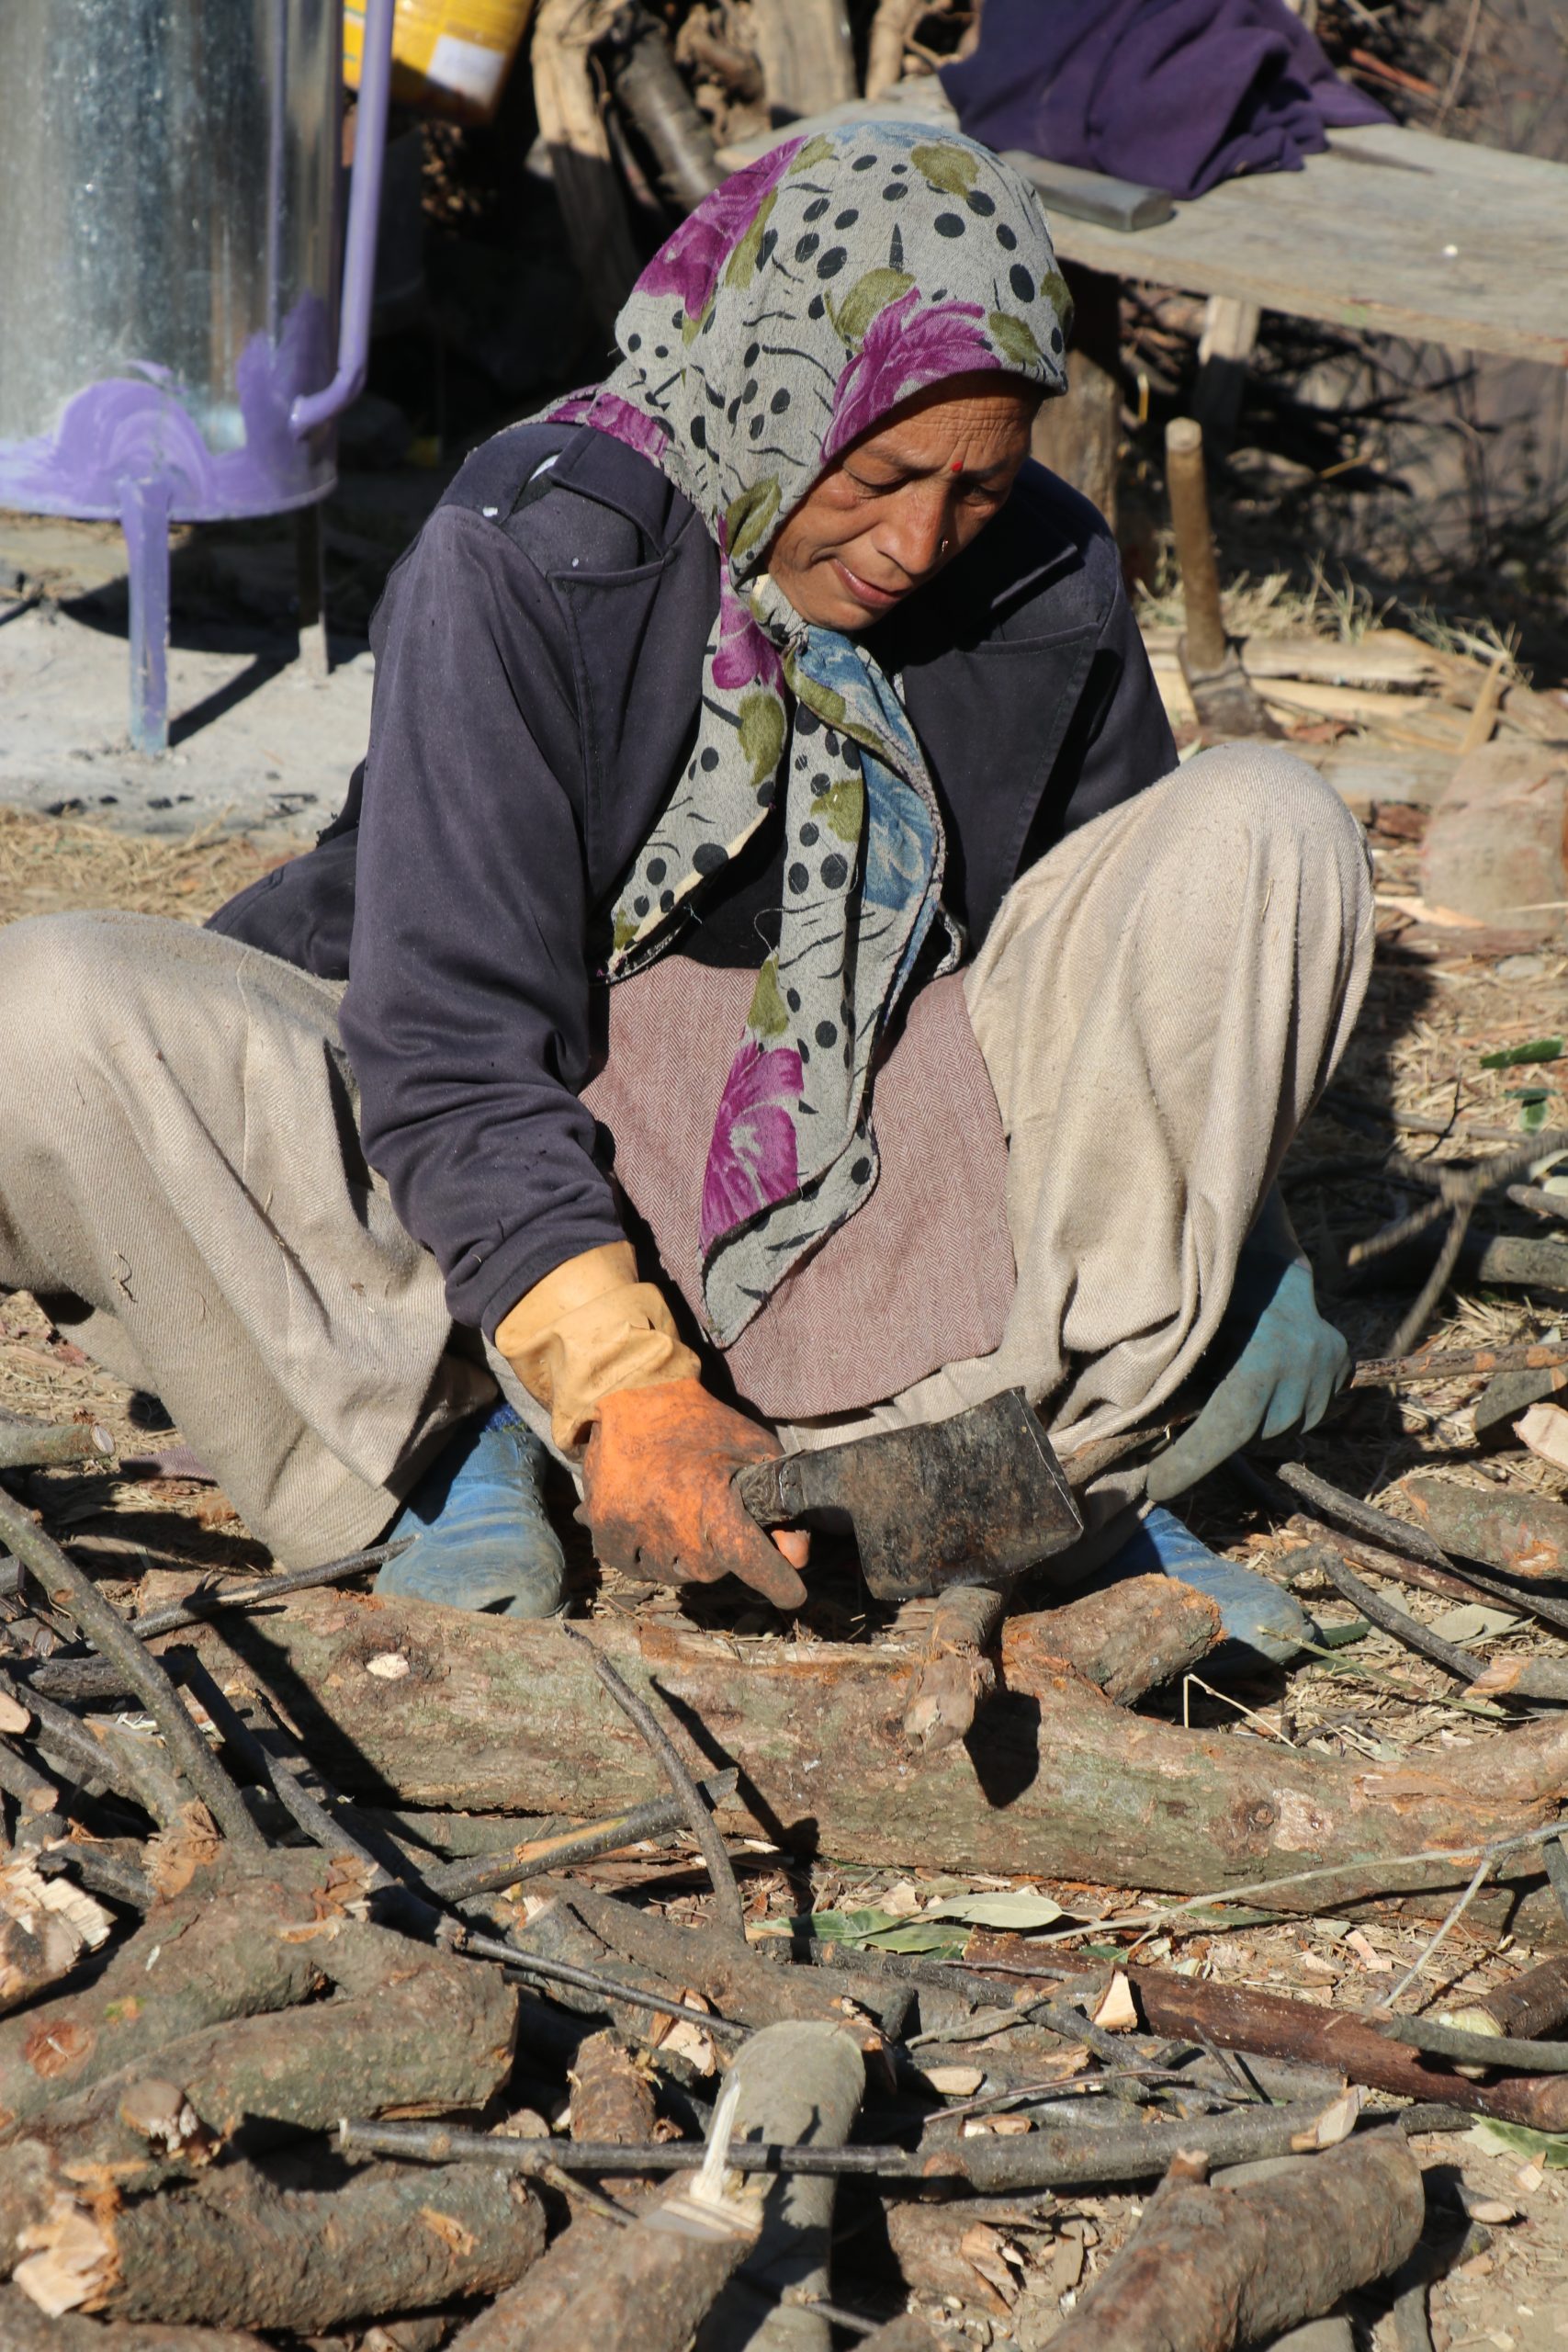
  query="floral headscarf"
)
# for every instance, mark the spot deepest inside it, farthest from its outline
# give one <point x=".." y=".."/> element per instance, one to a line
<point x="800" y="303"/>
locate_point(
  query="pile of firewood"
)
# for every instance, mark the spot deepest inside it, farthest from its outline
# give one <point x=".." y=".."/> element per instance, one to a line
<point x="311" y="2030"/>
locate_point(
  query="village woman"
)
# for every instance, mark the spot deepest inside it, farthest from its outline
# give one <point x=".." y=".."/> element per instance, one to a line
<point x="791" y="987"/>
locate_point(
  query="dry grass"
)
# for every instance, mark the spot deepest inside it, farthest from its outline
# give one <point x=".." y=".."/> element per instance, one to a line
<point x="50" y="865"/>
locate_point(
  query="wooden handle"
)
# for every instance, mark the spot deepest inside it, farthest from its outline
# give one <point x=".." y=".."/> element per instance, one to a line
<point x="1206" y="643"/>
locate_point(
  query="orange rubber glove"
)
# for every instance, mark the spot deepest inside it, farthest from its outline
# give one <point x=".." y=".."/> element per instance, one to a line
<point x="658" y="1493"/>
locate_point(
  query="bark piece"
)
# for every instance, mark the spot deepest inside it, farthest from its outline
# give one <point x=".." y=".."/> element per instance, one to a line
<point x="24" y="2328"/>
<point x="1210" y="2267"/>
<point x="1533" y="2004"/>
<point x="239" y="2250"/>
<point x="499" y="1713"/>
<point x="1129" y="1639"/>
<point x="928" y="2245"/>
<point x="798" y="2082"/>
<point x="612" y="2098"/>
<point x="1504" y="1527"/>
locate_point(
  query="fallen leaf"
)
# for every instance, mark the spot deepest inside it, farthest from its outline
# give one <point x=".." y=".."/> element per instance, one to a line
<point x="1021" y="1911"/>
<point x="1470" y="1622"/>
<point x="390" y="1667"/>
<point x="1118" y="2012"/>
<point x="1547" y="2148"/>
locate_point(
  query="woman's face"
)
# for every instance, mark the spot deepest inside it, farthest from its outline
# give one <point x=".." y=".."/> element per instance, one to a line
<point x="901" y="502"/>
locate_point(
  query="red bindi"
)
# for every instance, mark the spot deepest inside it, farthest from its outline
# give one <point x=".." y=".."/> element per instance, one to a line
<point x="956" y="467"/>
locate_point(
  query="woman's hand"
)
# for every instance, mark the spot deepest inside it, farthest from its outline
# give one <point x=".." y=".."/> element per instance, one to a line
<point x="1285" y="1378"/>
<point x="659" y="1498"/>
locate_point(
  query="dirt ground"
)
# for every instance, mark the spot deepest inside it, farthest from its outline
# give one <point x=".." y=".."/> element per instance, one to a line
<point x="1429" y="1019"/>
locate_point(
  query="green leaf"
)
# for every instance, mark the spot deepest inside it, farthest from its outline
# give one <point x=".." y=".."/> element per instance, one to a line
<point x="1548" y="2148"/>
<point x="866" y="298"/>
<point x="953" y="170"/>
<point x="769" y="1015"/>
<point x="1471" y="1623"/>
<point x="815" y="151"/>
<point x="1019" y="1910"/>
<point x="1054" y="287"/>
<point x="881" y="1931"/>
<point x="1019" y="347"/>
<point x="1539" y="1049"/>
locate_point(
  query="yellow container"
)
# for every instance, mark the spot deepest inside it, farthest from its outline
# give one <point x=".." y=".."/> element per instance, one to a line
<point x="449" y="56"/>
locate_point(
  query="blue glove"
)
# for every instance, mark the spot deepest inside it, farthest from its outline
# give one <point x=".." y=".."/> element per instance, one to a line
<point x="1284" y="1378"/>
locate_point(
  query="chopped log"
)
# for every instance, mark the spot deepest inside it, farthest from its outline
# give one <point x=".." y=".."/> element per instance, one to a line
<point x="1237" y="2019"/>
<point x="1133" y="1637"/>
<point x="652" y="2284"/>
<point x="27" y="1445"/>
<point x="798" y="2084"/>
<point x="496" y="1712"/>
<point x="1527" y="2006"/>
<point x="955" y="1670"/>
<point x="45" y="1927"/>
<point x="431" y="2031"/>
<point x="1212" y="2267"/>
<point x="1504" y="1527"/>
<point x="1542" y="1678"/>
<point x="239" y="2251"/>
<point x="928" y="2246"/>
<point x="223" y="1947"/>
<point x="611" y="2100"/>
<point x="24" y="2328"/>
<point x="1495" y="844"/>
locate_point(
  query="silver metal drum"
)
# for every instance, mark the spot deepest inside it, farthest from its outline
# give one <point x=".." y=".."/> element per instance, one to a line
<point x="167" y="172"/>
<point x="171" y="344"/>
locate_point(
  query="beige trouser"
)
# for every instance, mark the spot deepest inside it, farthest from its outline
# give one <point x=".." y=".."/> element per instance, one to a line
<point x="1159" y="1002"/>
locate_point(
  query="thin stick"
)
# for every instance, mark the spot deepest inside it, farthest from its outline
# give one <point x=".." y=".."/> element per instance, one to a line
<point x="1539" y="1200"/>
<point x="1482" y="1869"/>
<point x="18" y="1779"/>
<point x="1365" y="1519"/>
<point x="101" y="1873"/>
<point x="1164" y="1913"/>
<point x="594" y="1980"/>
<point x="1457" y="1363"/>
<point x="1392" y="1620"/>
<point x="1436" y="1282"/>
<point x="484" y="1874"/>
<point x="30" y="1445"/>
<point x="199" y="1606"/>
<point x="107" y="1631"/>
<point x="67" y="1742"/>
<point x="730" y="1916"/>
<point x="1493" y="2050"/>
<point x="1456" y="1188"/>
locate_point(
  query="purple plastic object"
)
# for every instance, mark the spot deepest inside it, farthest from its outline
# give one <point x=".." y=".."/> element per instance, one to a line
<point x="311" y="410"/>
<point x="167" y="265"/>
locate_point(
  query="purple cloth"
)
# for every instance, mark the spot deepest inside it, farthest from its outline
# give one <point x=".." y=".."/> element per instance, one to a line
<point x="1175" y="93"/>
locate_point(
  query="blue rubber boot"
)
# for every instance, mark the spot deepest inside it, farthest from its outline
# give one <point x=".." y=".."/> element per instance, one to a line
<point x="1262" y="1625"/>
<point x="483" y="1537"/>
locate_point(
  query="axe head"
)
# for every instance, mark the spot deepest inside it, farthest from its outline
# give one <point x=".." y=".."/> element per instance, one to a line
<point x="976" y="1499"/>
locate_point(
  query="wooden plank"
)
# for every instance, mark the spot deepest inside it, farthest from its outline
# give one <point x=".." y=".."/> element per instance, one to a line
<point x="1361" y="238"/>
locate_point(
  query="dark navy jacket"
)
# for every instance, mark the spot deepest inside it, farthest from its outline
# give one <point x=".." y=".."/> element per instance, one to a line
<point x="539" y="664"/>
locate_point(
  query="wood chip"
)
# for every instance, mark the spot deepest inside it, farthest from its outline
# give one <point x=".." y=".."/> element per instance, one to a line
<point x="390" y="1667"/>
<point x="1544" y="1428"/>
<point x="1118" y="2012"/>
